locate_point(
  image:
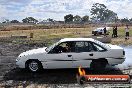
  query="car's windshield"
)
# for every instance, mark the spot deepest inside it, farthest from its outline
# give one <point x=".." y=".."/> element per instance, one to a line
<point x="50" y="47"/>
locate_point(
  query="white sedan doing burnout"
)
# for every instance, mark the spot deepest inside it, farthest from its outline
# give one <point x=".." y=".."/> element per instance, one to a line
<point x="72" y="53"/>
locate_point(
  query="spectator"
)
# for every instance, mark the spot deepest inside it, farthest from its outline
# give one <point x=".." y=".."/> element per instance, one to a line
<point x="105" y="31"/>
<point x="113" y="35"/>
<point x="127" y="32"/>
<point x="116" y="32"/>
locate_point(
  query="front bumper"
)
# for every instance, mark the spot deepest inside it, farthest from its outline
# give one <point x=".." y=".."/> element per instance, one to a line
<point x="20" y="64"/>
<point x="94" y="32"/>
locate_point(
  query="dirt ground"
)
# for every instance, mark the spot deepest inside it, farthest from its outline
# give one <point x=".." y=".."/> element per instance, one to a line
<point x="10" y="76"/>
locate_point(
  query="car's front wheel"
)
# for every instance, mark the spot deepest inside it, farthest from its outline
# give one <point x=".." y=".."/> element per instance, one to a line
<point x="95" y="34"/>
<point x="33" y="65"/>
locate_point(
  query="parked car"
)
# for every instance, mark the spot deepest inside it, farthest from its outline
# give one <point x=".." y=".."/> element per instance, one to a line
<point x="100" y="31"/>
<point x="72" y="53"/>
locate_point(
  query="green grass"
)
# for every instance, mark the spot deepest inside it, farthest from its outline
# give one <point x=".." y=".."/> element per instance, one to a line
<point x="121" y="37"/>
<point x="121" y="32"/>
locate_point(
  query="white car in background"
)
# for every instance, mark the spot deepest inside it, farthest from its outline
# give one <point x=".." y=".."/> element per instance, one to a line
<point x="72" y="53"/>
<point x="100" y="31"/>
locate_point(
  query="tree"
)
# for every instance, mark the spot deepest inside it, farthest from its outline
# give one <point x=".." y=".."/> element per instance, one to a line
<point x="25" y="20"/>
<point x="125" y="20"/>
<point x="14" y="21"/>
<point x="6" y="21"/>
<point x="68" y="18"/>
<point x="77" y="19"/>
<point x="100" y="13"/>
<point x="50" y="20"/>
<point x="110" y="16"/>
<point x="130" y="20"/>
<point x="29" y="20"/>
<point x="85" y="18"/>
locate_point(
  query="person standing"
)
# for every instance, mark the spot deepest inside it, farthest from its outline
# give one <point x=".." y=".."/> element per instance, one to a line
<point x="116" y="32"/>
<point x="105" y="31"/>
<point x="113" y="35"/>
<point x="127" y="32"/>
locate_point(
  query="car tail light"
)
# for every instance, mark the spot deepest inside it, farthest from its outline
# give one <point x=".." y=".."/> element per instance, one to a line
<point x="123" y="52"/>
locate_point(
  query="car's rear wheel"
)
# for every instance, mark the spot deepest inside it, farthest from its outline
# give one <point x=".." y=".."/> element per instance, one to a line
<point x="100" y="33"/>
<point x="33" y="66"/>
<point x="98" y="65"/>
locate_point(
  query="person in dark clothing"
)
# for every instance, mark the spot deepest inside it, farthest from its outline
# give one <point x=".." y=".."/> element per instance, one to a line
<point x="116" y="32"/>
<point x="113" y="35"/>
<point x="127" y="32"/>
<point x="105" y="31"/>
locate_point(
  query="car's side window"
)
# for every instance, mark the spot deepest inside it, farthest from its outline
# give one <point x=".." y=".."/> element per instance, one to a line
<point x="82" y="46"/>
<point x="63" y="47"/>
<point x="91" y="47"/>
<point x="97" y="47"/>
<point x="79" y="46"/>
<point x="86" y="46"/>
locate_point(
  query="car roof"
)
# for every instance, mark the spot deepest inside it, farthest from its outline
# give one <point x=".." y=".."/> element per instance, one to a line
<point x="98" y="29"/>
<point x="76" y="39"/>
<point x="101" y="28"/>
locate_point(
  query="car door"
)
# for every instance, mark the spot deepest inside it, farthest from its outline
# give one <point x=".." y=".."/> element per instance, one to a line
<point x="98" y="51"/>
<point x="85" y="52"/>
<point x="59" y="59"/>
<point x="82" y="56"/>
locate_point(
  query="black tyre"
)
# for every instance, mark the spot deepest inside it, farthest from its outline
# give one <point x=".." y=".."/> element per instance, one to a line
<point x="98" y="65"/>
<point x="95" y="34"/>
<point x="33" y="65"/>
<point x="100" y="33"/>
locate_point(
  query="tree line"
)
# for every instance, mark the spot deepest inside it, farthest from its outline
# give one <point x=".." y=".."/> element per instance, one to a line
<point x="99" y="13"/>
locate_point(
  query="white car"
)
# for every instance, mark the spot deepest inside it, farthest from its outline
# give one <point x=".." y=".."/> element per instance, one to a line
<point x="72" y="53"/>
<point x="100" y="31"/>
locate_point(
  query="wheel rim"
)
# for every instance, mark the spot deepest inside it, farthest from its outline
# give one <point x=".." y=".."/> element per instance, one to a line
<point x="33" y="66"/>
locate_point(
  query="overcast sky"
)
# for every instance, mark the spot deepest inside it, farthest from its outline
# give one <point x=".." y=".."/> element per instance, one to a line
<point x="57" y="9"/>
